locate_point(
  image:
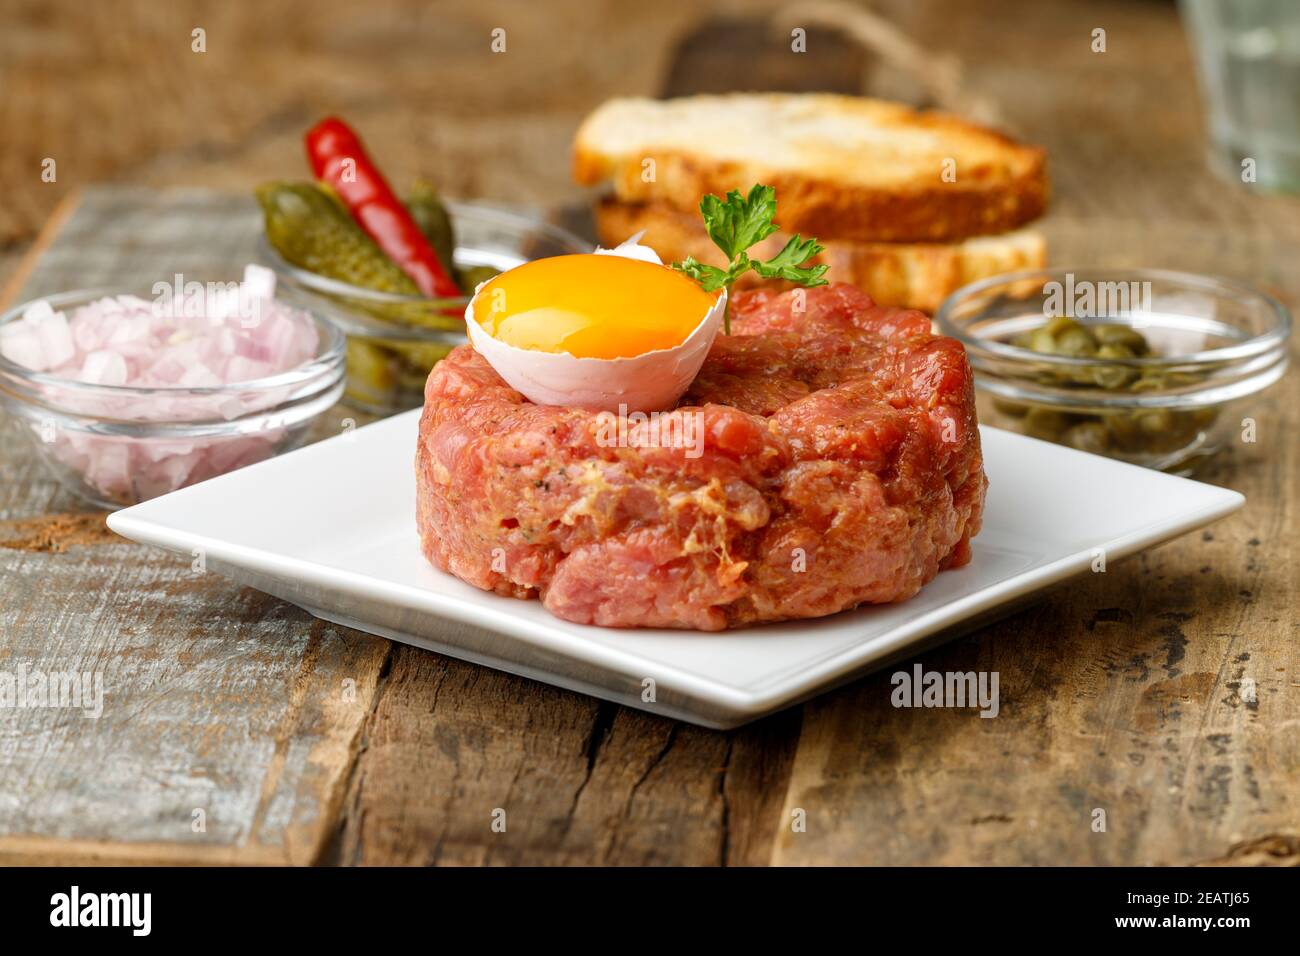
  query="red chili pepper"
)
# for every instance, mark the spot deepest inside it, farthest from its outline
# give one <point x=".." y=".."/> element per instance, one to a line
<point x="338" y="158"/>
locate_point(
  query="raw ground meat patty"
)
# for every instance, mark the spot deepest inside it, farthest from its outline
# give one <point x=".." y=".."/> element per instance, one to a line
<point x="840" y="465"/>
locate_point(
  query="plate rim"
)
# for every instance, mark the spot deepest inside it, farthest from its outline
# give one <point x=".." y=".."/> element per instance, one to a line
<point x="771" y="693"/>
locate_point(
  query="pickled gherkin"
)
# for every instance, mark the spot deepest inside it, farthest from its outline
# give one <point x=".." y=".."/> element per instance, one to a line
<point x="371" y="376"/>
<point x="431" y="216"/>
<point x="311" y="230"/>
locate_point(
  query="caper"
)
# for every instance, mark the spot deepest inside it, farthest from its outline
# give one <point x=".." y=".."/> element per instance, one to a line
<point x="1149" y="381"/>
<point x="1111" y="377"/>
<point x="1114" y="376"/>
<point x="1045" y="423"/>
<point x="1042" y="340"/>
<point x="1155" y="421"/>
<point x="1112" y="349"/>
<point x="1115" y="350"/>
<point x="1124" y="430"/>
<point x="1060" y="325"/>
<point x="1179" y="379"/>
<point x="1112" y="333"/>
<point x="1076" y="342"/>
<point x="1091" y="436"/>
<point x="1107" y="340"/>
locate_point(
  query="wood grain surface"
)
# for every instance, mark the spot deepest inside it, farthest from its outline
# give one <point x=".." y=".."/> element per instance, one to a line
<point x="1165" y="692"/>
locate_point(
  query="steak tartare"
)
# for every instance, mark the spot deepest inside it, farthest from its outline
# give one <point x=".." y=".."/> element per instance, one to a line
<point x="838" y="464"/>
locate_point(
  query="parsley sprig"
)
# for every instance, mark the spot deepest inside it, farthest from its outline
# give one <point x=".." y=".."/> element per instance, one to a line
<point x="739" y="222"/>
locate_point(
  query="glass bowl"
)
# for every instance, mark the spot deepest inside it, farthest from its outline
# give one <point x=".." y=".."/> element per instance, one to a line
<point x="394" y="340"/>
<point x="118" y="445"/>
<point x="1212" y="342"/>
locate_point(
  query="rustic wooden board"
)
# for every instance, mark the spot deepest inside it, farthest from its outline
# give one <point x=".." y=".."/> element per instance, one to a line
<point x="579" y="780"/>
<point x="1121" y="692"/>
<point x="216" y="698"/>
<point x="307" y="742"/>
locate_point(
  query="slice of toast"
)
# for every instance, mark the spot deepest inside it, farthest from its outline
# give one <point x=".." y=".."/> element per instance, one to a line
<point x="912" y="275"/>
<point x="843" y="167"/>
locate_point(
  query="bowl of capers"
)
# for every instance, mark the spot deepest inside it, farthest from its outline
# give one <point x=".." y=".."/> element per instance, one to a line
<point x="1145" y="365"/>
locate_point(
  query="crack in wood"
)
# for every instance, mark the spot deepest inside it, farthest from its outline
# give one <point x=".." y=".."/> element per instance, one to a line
<point x="283" y="737"/>
<point x="601" y="724"/>
<point x="654" y="762"/>
<point x="1273" y="849"/>
<point x="351" y="806"/>
<point x="658" y="759"/>
<point x="724" y="821"/>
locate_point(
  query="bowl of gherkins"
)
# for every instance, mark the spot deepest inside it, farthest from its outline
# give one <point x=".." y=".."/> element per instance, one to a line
<point x="1154" y="367"/>
<point x="395" y="333"/>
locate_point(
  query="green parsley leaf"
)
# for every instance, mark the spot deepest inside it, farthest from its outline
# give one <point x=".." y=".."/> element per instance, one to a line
<point x="710" y="278"/>
<point x="739" y="222"/>
<point x="787" y="263"/>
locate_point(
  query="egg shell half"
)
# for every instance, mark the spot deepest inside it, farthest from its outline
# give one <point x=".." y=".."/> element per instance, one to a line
<point x="646" y="383"/>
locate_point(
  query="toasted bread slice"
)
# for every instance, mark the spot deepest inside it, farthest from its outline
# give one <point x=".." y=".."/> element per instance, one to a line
<point x="913" y="275"/>
<point x="843" y="167"/>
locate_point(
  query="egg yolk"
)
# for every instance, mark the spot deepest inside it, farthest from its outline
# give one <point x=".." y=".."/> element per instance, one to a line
<point x="591" y="306"/>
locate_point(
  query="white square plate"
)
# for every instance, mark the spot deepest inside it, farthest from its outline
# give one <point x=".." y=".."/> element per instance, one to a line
<point x="331" y="527"/>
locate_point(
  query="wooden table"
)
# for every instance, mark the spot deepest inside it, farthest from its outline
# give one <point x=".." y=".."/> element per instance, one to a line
<point x="238" y="729"/>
